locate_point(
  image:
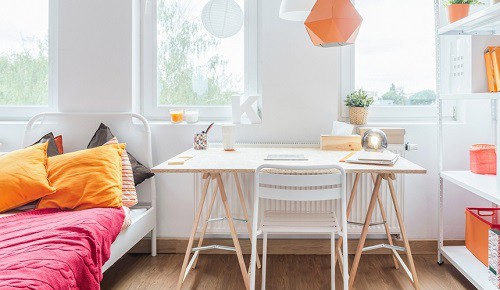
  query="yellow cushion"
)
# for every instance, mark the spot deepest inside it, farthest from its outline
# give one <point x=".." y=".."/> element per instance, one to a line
<point x="86" y="179"/>
<point x="23" y="177"/>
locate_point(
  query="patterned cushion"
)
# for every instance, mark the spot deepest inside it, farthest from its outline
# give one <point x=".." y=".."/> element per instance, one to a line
<point x="103" y="135"/>
<point x="129" y="194"/>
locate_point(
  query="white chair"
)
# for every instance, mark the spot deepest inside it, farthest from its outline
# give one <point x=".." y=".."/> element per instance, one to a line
<point x="299" y="183"/>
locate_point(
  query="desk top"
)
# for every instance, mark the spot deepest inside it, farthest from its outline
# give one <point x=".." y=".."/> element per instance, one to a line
<point x="247" y="159"/>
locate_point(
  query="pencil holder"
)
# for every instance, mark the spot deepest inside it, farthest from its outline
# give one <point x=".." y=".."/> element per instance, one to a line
<point x="200" y="141"/>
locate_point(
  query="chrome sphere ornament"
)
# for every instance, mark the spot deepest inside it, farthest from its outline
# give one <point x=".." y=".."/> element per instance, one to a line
<point x="374" y="140"/>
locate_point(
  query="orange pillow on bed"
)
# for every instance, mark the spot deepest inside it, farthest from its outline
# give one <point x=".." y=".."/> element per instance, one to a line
<point x="59" y="144"/>
<point x="86" y="179"/>
<point x="23" y="177"/>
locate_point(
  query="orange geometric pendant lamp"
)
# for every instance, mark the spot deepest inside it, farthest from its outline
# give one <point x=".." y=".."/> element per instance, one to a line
<point x="333" y="23"/>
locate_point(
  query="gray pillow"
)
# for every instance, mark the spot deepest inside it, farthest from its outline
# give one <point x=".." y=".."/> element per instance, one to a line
<point x="103" y="135"/>
<point x="52" y="147"/>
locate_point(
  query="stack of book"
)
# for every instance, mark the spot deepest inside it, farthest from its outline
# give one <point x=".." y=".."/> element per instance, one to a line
<point x="376" y="158"/>
<point x="492" y="61"/>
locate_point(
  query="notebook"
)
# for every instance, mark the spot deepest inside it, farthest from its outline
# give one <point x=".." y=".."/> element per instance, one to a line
<point x="292" y="157"/>
<point x="376" y="158"/>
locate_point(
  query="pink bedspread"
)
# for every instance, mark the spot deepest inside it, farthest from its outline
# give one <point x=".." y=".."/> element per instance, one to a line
<point x="53" y="249"/>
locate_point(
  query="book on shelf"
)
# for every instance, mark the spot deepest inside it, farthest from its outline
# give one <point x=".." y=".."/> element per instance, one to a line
<point x="490" y="71"/>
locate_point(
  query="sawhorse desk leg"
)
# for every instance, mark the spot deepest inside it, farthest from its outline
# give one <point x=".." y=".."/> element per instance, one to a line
<point x="219" y="189"/>
<point x="375" y="198"/>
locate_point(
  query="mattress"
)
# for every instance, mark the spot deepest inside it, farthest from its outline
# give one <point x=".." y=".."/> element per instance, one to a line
<point x="131" y="215"/>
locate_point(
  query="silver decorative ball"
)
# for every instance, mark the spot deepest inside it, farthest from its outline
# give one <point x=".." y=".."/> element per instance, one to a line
<point x="374" y="140"/>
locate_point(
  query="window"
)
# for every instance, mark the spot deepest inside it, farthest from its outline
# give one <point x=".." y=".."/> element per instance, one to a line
<point x="395" y="57"/>
<point x="191" y="68"/>
<point x="24" y="58"/>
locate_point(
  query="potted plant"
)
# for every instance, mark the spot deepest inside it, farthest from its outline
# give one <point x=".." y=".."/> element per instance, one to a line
<point x="458" y="9"/>
<point x="358" y="103"/>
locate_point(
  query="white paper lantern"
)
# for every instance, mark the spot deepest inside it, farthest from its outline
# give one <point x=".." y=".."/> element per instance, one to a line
<point x="296" y="10"/>
<point x="222" y="18"/>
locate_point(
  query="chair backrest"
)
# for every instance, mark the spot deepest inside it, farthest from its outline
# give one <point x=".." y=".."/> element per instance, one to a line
<point x="300" y="183"/>
<point x="78" y="128"/>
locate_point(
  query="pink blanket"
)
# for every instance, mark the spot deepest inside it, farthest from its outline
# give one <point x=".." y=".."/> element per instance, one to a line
<point x="53" y="249"/>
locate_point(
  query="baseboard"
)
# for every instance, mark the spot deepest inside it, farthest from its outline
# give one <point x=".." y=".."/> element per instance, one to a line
<point x="286" y="246"/>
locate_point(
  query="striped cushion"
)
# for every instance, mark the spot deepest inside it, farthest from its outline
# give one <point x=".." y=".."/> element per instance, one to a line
<point x="129" y="195"/>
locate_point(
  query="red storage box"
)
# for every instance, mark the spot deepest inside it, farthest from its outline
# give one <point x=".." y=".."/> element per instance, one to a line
<point x="483" y="159"/>
<point x="478" y="221"/>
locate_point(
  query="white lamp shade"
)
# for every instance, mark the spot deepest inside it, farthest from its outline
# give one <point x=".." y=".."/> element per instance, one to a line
<point x="296" y="10"/>
<point x="222" y="18"/>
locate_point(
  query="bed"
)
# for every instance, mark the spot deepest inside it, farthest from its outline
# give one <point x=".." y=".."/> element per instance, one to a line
<point x="77" y="130"/>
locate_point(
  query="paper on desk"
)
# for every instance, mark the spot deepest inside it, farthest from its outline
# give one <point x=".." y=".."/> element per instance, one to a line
<point x="342" y="129"/>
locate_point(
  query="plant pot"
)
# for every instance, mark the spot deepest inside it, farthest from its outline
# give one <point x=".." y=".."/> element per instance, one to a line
<point x="457" y="12"/>
<point x="358" y="115"/>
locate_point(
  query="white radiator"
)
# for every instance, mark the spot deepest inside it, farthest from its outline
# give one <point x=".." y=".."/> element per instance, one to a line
<point x="358" y="212"/>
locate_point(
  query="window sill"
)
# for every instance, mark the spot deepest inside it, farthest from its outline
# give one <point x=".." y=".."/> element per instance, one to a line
<point x="200" y="123"/>
<point x="411" y="121"/>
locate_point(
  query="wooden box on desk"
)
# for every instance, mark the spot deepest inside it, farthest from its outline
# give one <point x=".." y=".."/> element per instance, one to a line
<point x="341" y="143"/>
<point x="394" y="135"/>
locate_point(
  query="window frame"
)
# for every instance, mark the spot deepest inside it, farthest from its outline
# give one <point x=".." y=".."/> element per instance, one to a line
<point x="25" y="112"/>
<point x="386" y="113"/>
<point x="149" y="101"/>
<point x="347" y="60"/>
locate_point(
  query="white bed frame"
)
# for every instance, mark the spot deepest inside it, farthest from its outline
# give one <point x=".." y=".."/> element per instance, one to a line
<point x="77" y="129"/>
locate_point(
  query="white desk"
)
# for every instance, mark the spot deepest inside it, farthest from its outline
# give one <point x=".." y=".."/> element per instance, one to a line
<point x="214" y="161"/>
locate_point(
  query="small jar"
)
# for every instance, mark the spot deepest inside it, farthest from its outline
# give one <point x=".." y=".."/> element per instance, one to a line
<point x="176" y="115"/>
<point x="191" y="116"/>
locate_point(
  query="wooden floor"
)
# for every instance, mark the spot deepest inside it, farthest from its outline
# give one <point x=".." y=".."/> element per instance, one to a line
<point x="140" y="271"/>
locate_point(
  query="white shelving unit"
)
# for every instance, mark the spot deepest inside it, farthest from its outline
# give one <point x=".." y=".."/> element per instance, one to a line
<point x="484" y="186"/>
<point x="484" y="22"/>
<point x="468" y="265"/>
<point x="471" y="96"/>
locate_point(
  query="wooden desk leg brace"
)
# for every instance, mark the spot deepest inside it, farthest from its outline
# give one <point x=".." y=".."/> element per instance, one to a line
<point x="189" y="264"/>
<point x="377" y="180"/>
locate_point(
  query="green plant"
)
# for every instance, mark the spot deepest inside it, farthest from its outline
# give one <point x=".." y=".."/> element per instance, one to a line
<point x="470" y="2"/>
<point x="358" y="98"/>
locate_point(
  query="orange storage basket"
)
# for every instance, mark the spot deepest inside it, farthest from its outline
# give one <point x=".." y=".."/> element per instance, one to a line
<point x="478" y="221"/>
<point x="483" y="159"/>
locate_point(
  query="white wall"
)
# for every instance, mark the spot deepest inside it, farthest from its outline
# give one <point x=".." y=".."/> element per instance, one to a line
<point x="97" y="61"/>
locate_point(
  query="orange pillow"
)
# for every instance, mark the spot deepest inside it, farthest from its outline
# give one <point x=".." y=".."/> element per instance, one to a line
<point x="59" y="144"/>
<point x="23" y="177"/>
<point x="86" y="179"/>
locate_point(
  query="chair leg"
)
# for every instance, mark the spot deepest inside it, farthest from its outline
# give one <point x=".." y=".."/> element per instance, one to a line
<point x="153" y="242"/>
<point x="350" y="204"/>
<point x="332" y="254"/>
<point x="345" y="261"/>
<point x="264" y="260"/>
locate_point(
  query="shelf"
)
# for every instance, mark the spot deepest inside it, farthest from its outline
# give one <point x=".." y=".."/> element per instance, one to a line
<point x="470" y="96"/>
<point x="484" y="22"/>
<point x="468" y="265"/>
<point x="484" y="186"/>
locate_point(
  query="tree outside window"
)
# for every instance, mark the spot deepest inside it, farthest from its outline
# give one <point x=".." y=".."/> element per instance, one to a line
<point x="193" y="67"/>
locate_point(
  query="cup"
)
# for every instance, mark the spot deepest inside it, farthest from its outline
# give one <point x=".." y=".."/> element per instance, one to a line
<point x="176" y="115"/>
<point x="228" y="137"/>
<point x="200" y="141"/>
<point x="191" y="116"/>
